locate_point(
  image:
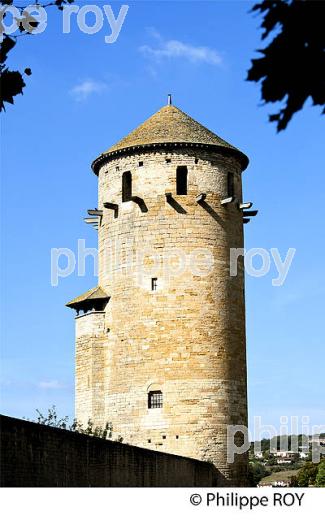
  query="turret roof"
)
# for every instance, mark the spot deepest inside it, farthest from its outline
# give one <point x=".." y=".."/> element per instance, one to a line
<point x="170" y="126"/>
<point x="96" y="293"/>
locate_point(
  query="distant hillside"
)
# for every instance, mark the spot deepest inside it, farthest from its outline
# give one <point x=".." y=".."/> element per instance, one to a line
<point x="286" y="440"/>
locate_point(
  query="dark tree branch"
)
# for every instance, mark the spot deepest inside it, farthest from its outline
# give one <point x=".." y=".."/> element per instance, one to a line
<point x="292" y="66"/>
<point x="11" y="81"/>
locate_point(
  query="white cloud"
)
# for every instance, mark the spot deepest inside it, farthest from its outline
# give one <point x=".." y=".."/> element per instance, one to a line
<point x="52" y="384"/>
<point x="83" y="90"/>
<point x="178" y="49"/>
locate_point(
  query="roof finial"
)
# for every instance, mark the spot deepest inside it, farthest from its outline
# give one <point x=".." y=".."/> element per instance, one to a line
<point x="169" y="100"/>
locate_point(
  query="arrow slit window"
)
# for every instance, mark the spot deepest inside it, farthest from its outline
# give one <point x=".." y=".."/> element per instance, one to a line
<point x="230" y="184"/>
<point x="181" y="180"/>
<point x="126" y="186"/>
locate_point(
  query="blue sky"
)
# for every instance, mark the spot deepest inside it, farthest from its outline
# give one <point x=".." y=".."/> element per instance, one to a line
<point x="82" y="97"/>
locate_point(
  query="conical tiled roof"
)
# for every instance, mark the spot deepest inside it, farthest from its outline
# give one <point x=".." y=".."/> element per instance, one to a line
<point x="166" y="127"/>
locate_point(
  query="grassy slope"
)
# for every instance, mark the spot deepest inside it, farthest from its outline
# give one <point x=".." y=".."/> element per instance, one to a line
<point x="280" y="475"/>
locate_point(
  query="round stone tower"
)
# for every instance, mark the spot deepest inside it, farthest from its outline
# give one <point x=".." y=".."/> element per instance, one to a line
<point x="160" y="345"/>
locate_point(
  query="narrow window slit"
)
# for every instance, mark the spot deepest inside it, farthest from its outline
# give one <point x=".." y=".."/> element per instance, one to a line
<point x="181" y="180"/>
<point x="126" y="186"/>
<point x="230" y="185"/>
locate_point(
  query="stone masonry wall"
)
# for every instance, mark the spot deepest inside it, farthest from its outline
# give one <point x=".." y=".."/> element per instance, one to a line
<point x="33" y="455"/>
<point x="90" y="359"/>
<point x="188" y="337"/>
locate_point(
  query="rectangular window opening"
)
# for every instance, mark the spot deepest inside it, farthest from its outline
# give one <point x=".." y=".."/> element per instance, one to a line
<point x="154" y="284"/>
<point x="155" y="399"/>
<point x="181" y="180"/>
<point x="126" y="186"/>
<point x="230" y="184"/>
<point x="140" y="163"/>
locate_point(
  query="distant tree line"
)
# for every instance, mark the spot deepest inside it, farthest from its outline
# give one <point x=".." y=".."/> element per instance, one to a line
<point x="311" y="474"/>
<point x="289" y="441"/>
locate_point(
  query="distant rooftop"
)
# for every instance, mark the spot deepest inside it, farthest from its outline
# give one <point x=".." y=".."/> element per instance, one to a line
<point x="170" y="126"/>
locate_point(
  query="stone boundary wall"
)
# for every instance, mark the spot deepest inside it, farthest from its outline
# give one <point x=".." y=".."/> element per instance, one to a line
<point x="34" y="455"/>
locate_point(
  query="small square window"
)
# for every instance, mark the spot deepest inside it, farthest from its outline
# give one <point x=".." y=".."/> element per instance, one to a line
<point x="196" y="161"/>
<point x="155" y="399"/>
<point x="154" y="284"/>
<point x="177" y="436"/>
<point x="168" y="161"/>
<point x="140" y="163"/>
<point x="164" y="436"/>
<point x="149" y="440"/>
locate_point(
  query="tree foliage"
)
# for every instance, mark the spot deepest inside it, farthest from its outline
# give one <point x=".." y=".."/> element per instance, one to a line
<point x="52" y="419"/>
<point x="307" y="475"/>
<point x="12" y="81"/>
<point x="292" y="66"/>
<point x="320" y="477"/>
<point x="256" y="471"/>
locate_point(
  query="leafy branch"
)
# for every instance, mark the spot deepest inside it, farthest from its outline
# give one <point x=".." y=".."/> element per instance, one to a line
<point x="12" y="81"/>
<point x="292" y="66"/>
<point x="52" y="419"/>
